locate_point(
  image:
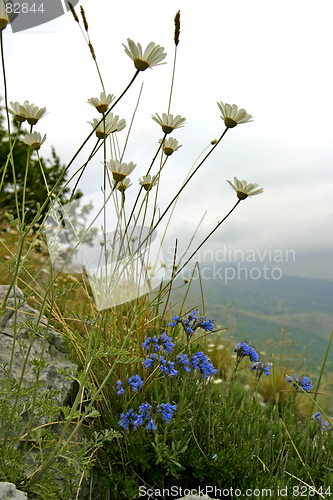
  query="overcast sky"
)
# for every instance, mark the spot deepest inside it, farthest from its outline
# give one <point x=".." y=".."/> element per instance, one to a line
<point x="271" y="58"/>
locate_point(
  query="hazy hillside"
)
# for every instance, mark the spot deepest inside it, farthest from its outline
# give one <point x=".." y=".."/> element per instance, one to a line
<point x="256" y="309"/>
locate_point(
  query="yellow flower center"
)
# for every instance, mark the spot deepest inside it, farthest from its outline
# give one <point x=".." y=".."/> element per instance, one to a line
<point x="118" y="177"/>
<point x="168" y="151"/>
<point x="241" y="195"/>
<point x="20" y="118"/>
<point x="229" y="122"/>
<point x="32" y="121"/>
<point x="35" y="146"/>
<point x="141" y="65"/>
<point x="102" y="108"/>
<point x="3" y="24"/>
<point x="101" y="135"/>
<point x="167" y="129"/>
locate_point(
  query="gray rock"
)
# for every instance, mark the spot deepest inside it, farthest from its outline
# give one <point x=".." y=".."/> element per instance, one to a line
<point x="8" y="491"/>
<point x="55" y="352"/>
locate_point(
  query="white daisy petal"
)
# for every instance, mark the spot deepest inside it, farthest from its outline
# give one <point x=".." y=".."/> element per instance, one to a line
<point x="120" y="170"/>
<point x="168" y="122"/>
<point x="233" y="116"/>
<point x="152" y="56"/>
<point x="243" y="189"/>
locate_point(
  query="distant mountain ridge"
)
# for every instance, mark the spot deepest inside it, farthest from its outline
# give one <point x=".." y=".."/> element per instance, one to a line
<point x="260" y="307"/>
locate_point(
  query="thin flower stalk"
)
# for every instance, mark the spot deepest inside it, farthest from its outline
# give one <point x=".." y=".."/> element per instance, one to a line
<point x="183" y="187"/>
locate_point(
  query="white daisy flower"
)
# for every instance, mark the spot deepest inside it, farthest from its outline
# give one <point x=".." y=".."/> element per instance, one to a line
<point x="123" y="185"/>
<point x="33" y="113"/>
<point x="112" y="124"/>
<point x="101" y="104"/>
<point x="152" y="56"/>
<point x="120" y="170"/>
<point x="147" y="182"/>
<point x="168" y="122"/>
<point x="243" y="189"/>
<point x="232" y="116"/>
<point x="170" y="146"/>
<point x="4" y="19"/>
<point x="34" y="140"/>
<point x="17" y="110"/>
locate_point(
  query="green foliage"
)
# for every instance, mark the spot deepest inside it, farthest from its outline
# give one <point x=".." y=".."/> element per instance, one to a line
<point x="253" y="449"/>
<point x="252" y="446"/>
<point x="23" y="449"/>
<point x="36" y="191"/>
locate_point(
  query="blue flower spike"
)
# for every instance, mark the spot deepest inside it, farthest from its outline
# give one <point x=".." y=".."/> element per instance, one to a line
<point x="120" y="388"/>
<point x="126" y="418"/>
<point x="304" y="382"/>
<point x="192" y="323"/>
<point x="260" y="368"/>
<point x="200" y="361"/>
<point x="244" y="349"/>
<point x="135" y="382"/>
<point x="324" y="425"/>
<point x="148" y="362"/>
<point x="151" y="426"/>
<point x="183" y="360"/>
<point x="167" y="410"/>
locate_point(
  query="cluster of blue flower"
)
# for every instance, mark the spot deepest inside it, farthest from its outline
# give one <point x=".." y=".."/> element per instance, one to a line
<point x="199" y="361"/>
<point x="325" y="426"/>
<point x="144" y="414"/>
<point x="191" y="323"/>
<point x="243" y="349"/>
<point x="162" y="341"/>
<point x="135" y="382"/>
<point x="304" y="382"/>
<point x="261" y="368"/>
<point x="167" y="367"/>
